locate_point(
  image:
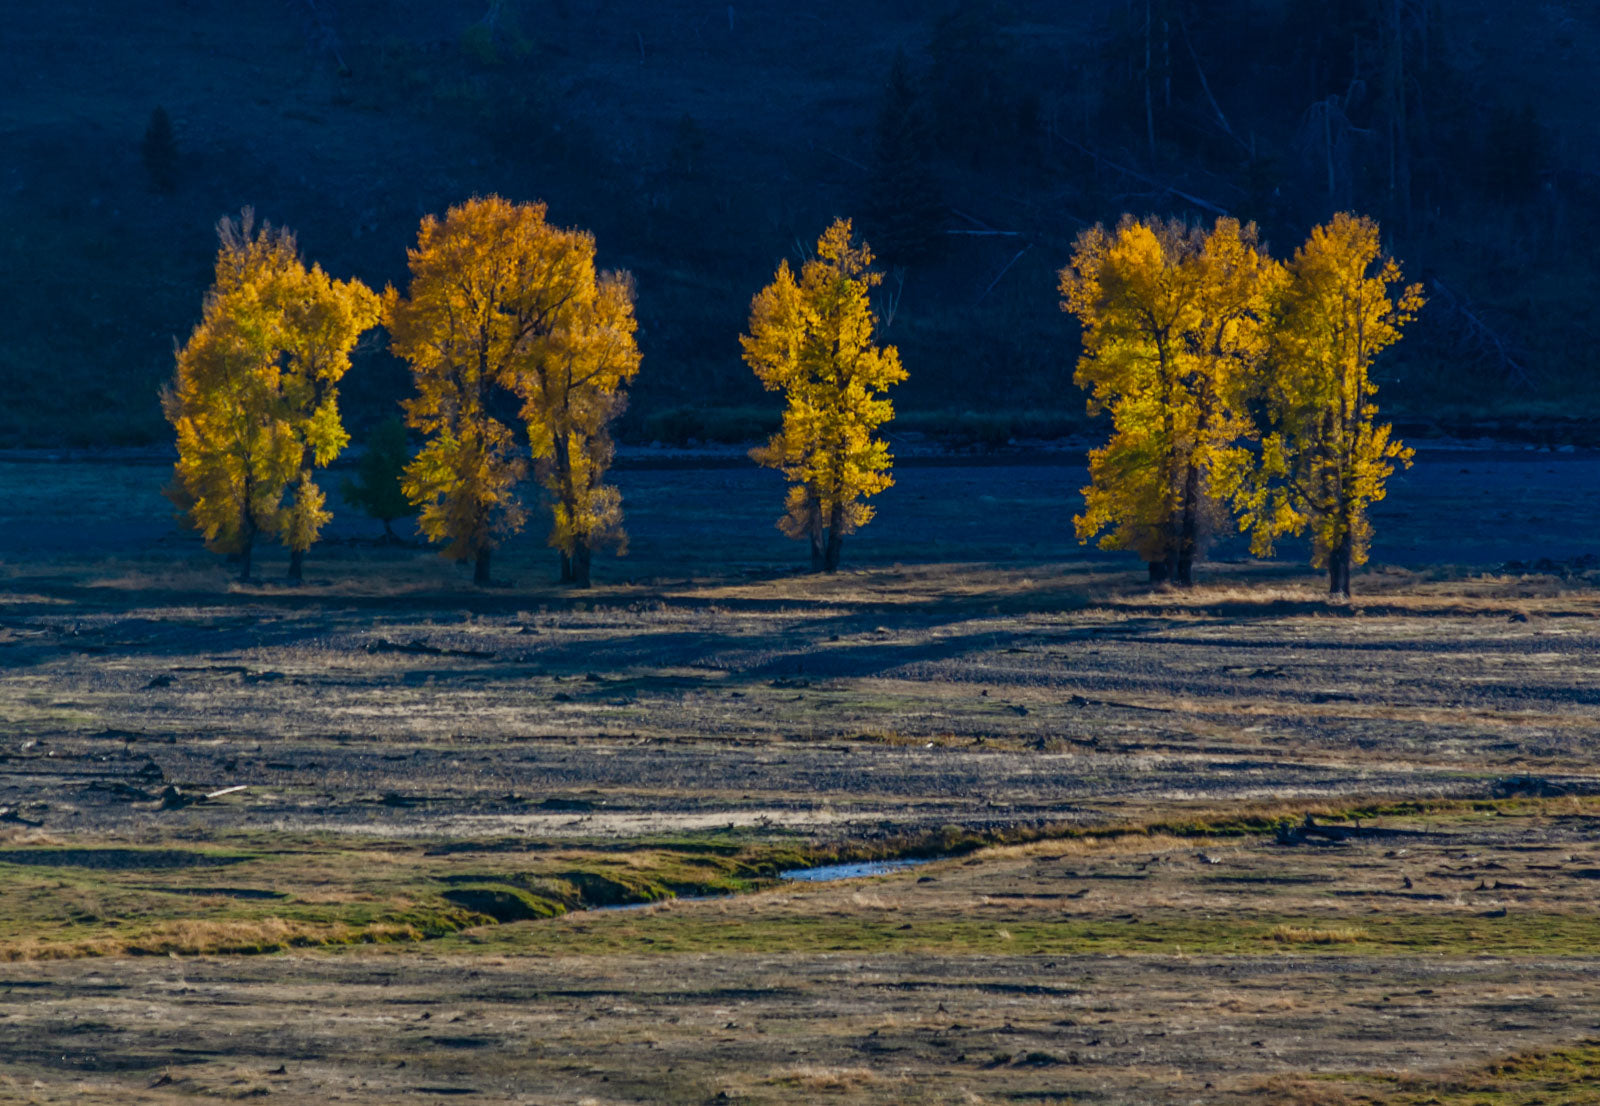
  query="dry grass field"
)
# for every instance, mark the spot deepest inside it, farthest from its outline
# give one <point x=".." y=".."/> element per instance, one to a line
<point x="347" y="842"/>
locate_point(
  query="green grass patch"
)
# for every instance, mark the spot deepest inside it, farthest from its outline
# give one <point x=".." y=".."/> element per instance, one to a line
<point x="1568" y="1076"/>
<point x="267" y="894"/>
<point x="262" y="893"/>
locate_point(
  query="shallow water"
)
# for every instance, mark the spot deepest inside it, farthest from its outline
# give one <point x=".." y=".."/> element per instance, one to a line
<point x="829" y="872"/>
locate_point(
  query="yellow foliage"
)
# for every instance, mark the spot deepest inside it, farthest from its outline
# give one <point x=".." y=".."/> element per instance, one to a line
<point x="813" y="340"/>
<point x="1173" y="333"/>
<point x="501" y="300"/>
<point x="254" y="398"/>
<point x="1324" y="459"/>
<point x="571" y="394"/>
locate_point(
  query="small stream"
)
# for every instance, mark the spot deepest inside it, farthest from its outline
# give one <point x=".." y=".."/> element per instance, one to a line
<point x="829" y="872"/>
<point x="825" y="873"/>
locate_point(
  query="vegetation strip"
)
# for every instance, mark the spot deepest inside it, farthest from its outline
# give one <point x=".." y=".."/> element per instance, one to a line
<point x="76" y="900"/>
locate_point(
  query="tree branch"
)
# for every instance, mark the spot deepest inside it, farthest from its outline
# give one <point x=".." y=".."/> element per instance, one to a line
<point x="1198" y="201"/>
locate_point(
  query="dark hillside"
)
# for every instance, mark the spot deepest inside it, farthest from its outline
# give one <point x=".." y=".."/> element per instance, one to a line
<point x="702" y="141"/>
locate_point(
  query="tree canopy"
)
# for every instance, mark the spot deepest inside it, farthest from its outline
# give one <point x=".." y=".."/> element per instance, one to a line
<point x="502" y="303"/>
<point x="254" y="398"/>
<point x="813" y="340"/>
<point x="1324" y="457"/>
<point x="1173" y="332"/>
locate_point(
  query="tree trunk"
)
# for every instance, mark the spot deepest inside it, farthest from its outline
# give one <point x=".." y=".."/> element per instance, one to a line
<point x="1339" y="569"/>
<point x="247" y="530"/>
<point x="566" y="567"/>
<point x="389" y="536"/>
<point x="1158" y="571"/>
<point x="580" y="564"/>
<point x="480" y="569"/>
<point x="297" y="561"/>
<point x="1189" y="531"/>
<point x="830" y="558"/>
<point x="815" y="527"/>
<point x="830" y="553"/>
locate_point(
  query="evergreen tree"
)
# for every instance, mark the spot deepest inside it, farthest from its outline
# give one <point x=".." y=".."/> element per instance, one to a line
<point x="977" y="113"/>
<point x="376" y="489"/>
<point x="160" y="152"/>
<point x="903" y="206"/>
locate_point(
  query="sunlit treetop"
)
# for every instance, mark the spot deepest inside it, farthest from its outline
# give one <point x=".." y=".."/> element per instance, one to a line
<point x="813" y="339"/>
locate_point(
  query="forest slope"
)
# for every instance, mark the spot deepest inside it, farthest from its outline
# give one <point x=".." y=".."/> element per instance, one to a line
<point x="703" y="141"/>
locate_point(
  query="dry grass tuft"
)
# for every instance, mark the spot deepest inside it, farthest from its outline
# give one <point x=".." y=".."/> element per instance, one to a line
<point x="1306" y="935"/>
<point x="1130" y="843"/>
<point x="1285" y="1090"/>
<point x="197" y="938"/>
<point x="815" y="1078"/>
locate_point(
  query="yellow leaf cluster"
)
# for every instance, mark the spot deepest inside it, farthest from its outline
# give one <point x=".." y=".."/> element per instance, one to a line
<point x="1173" y="336"/>
<point x="501" y="301"/>
<point x="1232" y="379"/>
<point x="254" y="398"/>
<point x="1324" y="458"/>
<point x="812" y="339"/>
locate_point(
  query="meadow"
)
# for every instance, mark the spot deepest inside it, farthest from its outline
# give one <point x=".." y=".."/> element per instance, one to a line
<point x="355" y="841"/>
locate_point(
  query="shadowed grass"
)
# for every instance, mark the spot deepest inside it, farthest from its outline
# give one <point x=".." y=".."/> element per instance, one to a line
<point x="867" y="928"/>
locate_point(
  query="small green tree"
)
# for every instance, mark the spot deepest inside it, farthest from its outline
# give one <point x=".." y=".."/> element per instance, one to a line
<point x="376" y="490"/>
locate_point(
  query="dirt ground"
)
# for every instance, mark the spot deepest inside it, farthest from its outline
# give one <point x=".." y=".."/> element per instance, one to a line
<point x="392" y="732"/>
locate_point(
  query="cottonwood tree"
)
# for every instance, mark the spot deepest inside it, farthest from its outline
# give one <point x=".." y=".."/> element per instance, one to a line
<point x="323" y="319"/>
<point x="812" y="340"/>
<point x="1324" y="458"/>
<point x="254" y="398"/>
<point x="503" y="305"/>
<point x="1173" y="329"/>
<point x="571" y="393"/>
